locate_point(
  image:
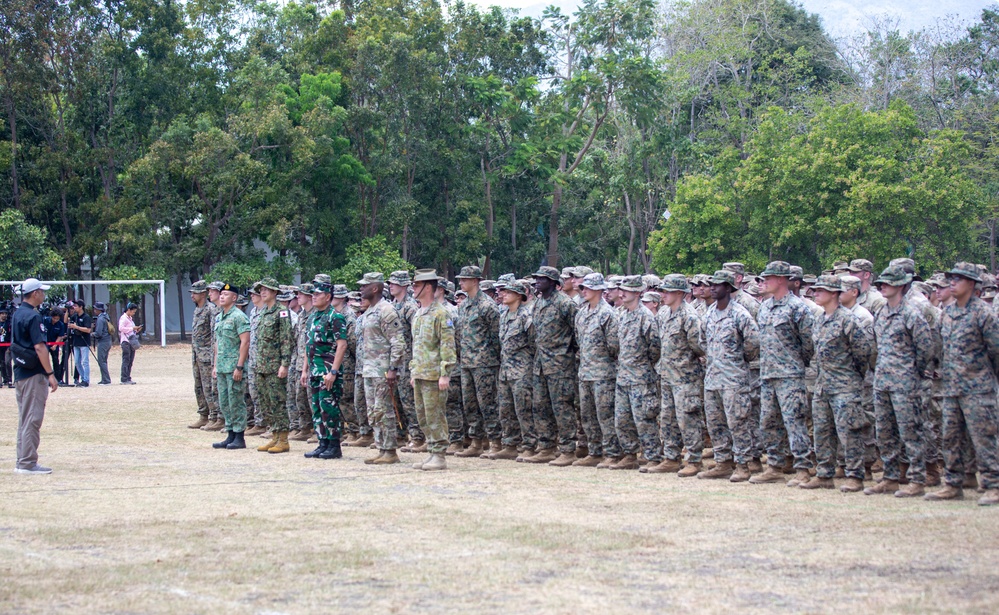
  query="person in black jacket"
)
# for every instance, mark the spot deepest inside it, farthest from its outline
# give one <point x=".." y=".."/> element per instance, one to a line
<point x="102" y="337"/>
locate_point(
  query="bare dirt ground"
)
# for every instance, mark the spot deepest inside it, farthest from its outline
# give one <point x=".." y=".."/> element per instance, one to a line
<point x="141" y="515"/>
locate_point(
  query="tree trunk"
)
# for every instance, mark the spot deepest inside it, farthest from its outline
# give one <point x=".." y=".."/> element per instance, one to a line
<point x="553" y="226"/>
<point x="12" y="118"/>
<point x="180" y="305"/>
<point x="488" y="184"/>
<point x="631" y="228"/>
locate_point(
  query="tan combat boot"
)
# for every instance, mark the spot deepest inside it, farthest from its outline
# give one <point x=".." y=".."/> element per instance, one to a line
<point x="708" y="452"/>
<point x="302" y="435"/>
<point x="256" y="430"/>
<point x="198" y="424"/>
<point x="932" y="475"/>
<point x="722" y="469"/>
<point x="852" y="485"/>
<point x="588" y="462"/>
<point x="582" y="451"/>
<point x="840" y="472"/>
<point x="607" y="463"/>
<point x="388" y="457"/>
<point x="970" y="481"/>
<point x="313" y="439"/>
<point x="772" y="474"/>
<point x="903" y="474"/>
<point x="666" y="466"/>
<point x="546" y="455"/>
<point x="408" y="447"/>
<point x="989" y="498"/>
<point x="947" y="493"/>
<point x="365" y="440"/>
<point x="525" y="455"/>
<point x="372" y="460"/>
<point x="494" y="447"/>
<point x="691" y="469"/>
<point x="267" y="445"/>
<point x="421" y="447"/>
<point x="564" y="460"/>
<point x="213" y="425"/>
<point x="474" y="449"/>
<point x="755" y="467"/>
<point x="437" y="462"/>
<point x="883" y="487"/>
<point x="628" y="462"/>
<point x="506" y="453"/>
<point x="454" y="447"/>
<point x="800" y="477"/>
<point x="817" y="482"/>
<point x="788" y="465"/>
<point x="741" y="474"/>
<point x="912" y="490"/>
<point x="282" y="444"/>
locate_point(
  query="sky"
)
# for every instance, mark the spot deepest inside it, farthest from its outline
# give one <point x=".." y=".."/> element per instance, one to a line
<point x="841" y="18"/>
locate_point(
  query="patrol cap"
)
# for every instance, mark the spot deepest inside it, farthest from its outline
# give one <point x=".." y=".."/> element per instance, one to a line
<point x="736" y="268"/>
<point x="373" y="277"/>
<point x="724" y="276"/>
<point x="675" y="282"/>
<point x="614" y="281"/>
<point x="471" y="272"/>
<point x="938" y="279"/>
<point x="217" y="285"/>
<point x="199" y="287"/>
<point x="894" y="275"/>
<point x="547" y="272"/>
<point x="594" y="281"/>
<point x="581" y="271"/>
<point x="425" y="275"/>
<point x="354" y="296"/>
<point x="401" y="278"/>
<point x="322" y="278"/>
<point x="829" y="282"/>
<point x="568" y="272"/>
<point x="651" y="297"/>
<point x="320" y="285"/>
<point x="753" y="289"/>
<point x="516" y="287"/>
<point x="487" y="285"/>
<point x="306" y="289"/>
<point x="242" y="301"/>
<point x="633" y="284"/>
<point x="841" y="266"/>
<point x="777" y="269"/>
<point x="850" y="282"/>
<point x="861" y="264"/>
<point x="270" y="283"/>
<point x="809" y="278"/>
<point x="461" y="293"/>
<point x="923" y="287"/>
<point x="700" y="279"/>
<point x="965" y="270"/>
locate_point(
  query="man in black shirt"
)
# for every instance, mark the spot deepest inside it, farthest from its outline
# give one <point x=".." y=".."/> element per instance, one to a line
<point x="57" y="334"/>
<point x="33" y="377"/>
<point x="80" y="324"/>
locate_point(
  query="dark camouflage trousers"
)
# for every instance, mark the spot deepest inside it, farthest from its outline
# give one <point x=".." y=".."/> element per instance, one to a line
<point x="272" y="395"/>
<point x="204" y="390"/>
<point x="478" y="398"/>
<point x="456" y="426"/>
<point x="900" y="433"/>
<point x="554" y="414"/>
<point x="232" y="406"/>
<point x="596" y="409"/>
<point x="407" y="408"/>
<point x="347" y="412"/>
<point x="515" y="412"/>
<point x="326" y="417"/>
<point x="933" y="417"/>
<point x="836" y="418"/>
<point x="429" y="402"/>
<point x="974" y="418"/>
<point x="681" y="420"/>
<point x="784" y="421"/>
<point x="381" y="413"/>
<point x="360" y="408"/>
<point x="729" y="417"/>
<point x="291" y="399"/>
<point x="636" y="415"/>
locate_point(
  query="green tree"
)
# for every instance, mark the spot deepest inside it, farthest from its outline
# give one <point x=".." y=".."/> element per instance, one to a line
<point x="372" y="254"/>
<point x="24" y="251"/>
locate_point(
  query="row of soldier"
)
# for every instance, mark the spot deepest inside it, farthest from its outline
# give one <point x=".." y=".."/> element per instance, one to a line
<point x="778" y="374"/>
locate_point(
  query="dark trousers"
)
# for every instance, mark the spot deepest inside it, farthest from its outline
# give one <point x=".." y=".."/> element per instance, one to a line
<point x="127" y="356"/>
<point x="4" y="365"/>
<point x="57" y="363"/>
<point x="103" y="349"/>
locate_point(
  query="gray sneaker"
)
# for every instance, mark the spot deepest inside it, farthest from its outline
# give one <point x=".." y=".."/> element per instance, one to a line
<point x="35" y="469"/>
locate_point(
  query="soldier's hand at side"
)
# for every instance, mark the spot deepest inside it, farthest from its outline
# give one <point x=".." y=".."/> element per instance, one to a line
<point x="282" y="372"/>
<point x="392" y="377"/>
<point x="214" y="373"/>
<point x="304" y="380"/>
<point x="444" y="383"/>
<point x="328" y="381"/>
<point x="237" y="375"/>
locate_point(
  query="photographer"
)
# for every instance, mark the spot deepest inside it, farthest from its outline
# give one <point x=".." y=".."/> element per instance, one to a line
<point x="103" y="330"/>
<point x="57" y="332"/>
<point x="81" y="325"/>
<point x="33" y="375"/>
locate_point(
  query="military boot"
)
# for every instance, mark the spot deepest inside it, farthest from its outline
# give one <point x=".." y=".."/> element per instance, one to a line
<point x="800" y="477"/>
<point x="970" y="481"/>
<point x="421" y="446"/>
<point x="507" y="452"/>
<point x="628" y="462"/>
<point x="474" y="449"/>
<point x="607" y="463"/>
<point x="693" y="468"/>
<point x="666" y="466"/>
<point x="453" y="448"/>
<point x="788" y="465"/>
<point x="989" y="498"/>
<point x="525" y="455"/>
<point x="224" y="443"/>
<point x="852" y="485"/>
<point x="419" y="464"/>
<point x="294" y="433"/>
<point x="316" y="451"/>
<point x="266" y="446"/>
<point x="256" y="430"/>
<point x="903" y="474"/>
<point x="817" y="482"/>
<point x="333" y="450"/>
<point x="237" y="441"/>
<point x="436" y="462"/>
<point x="564" y="460"/>
<point x="707" y="452"/>
<point x="372" y="460"/>
<point x="546" y="455"/>
<point x="912" y="490"/>
<point x="741" y="474"/>
<point x="365" y="440"/>
<point x="198" y="424"/>
<point x="495" y="446"/>
<point x="388" y="457"/>
<point x="947" y="493"/>
<point x="410" y="447"/>
<point x="588" y="462"/>
<point x="722" y="469"/>
<point x="582" y="451"/>
<point x="282" y="444"/>
<point x="302" y="435"/>
<point x="932" y="475"/>
<point x="755" y="467"/>
<point x="883" y="486"/>
<point x="772" y="474"/>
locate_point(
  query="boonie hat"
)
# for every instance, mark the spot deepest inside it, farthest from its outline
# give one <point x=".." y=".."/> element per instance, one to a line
<point x="401" y="278"/>
<point x="675" y="282"/>
<point x="547" y="272"/>
<point x="594" y="281"/>
<point x="894" y="275"/>
<point x="724" y="276"/>
<point x="470" y="271"/>
<point x="966" y="270"/>
<point x="830" y="283"/>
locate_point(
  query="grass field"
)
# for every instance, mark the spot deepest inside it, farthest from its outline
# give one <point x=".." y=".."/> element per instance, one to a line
<point x="141" y="515"/>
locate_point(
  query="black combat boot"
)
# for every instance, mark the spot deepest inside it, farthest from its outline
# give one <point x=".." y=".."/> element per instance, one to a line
<point x="333" y="450"/>
<point x="237" y="441"/>
<point x="224" y="443"/>
<point x="316" y="452"/>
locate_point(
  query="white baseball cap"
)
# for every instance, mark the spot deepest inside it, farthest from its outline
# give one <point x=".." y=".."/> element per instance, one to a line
<point x="31" y="285"/>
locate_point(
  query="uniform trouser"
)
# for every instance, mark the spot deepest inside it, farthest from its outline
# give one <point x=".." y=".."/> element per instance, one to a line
<point x="582" y="438"/>
<point x="515" y="412"/>
<point x="292" y="385"/>
<point x="784" y="421"/>
<point x="869" y="436"/>
<point x="103" y="349"/>
<point x="325" y="405"/>
<point x="757" y="447"/>
<point x="303" y="400"/>
<point x="681" y="420"/>
<point x="251" y="385"/>
<point x="31" y="394"/>
<point x="407" y="407"/>
<point x="933" y="418"/>
<point x="347" y="405"/>
<point x="838" y="417"/>
<point x="456" y="426"/>
<point x="381" y="413"/>
<point x="272" y="393"/>
<point x="971" y="417"/>
<point x="596" y="408"/>
<point x="361" y="406"/>
<point x="232" y="402"/>
<point x="729" y="415"/>
<point x="554" y="414"/>
<point x="900" y="433"/>
<point x="636" y="412"/>
<point x="430" y="404"/>
<point x="204" y="389"/>
<point x="478" y="399"/>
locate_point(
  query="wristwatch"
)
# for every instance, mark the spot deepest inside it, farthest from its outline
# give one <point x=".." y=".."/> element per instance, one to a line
<point x="239" y="367"/>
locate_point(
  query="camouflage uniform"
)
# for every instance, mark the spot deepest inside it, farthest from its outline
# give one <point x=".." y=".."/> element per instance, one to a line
<point x="455" y="412"/>
<point x="970" y="338"/>
<point x="251" y="366"/>
<point x="867" y="392"/>
<point x="554" y="361"/>
<point x="347" y="368"/>
<point x="274" y="350"/>
<point x="730" y="339"/>
<point x="324" y="330"/>
<point x="636" y="402"/>
<point x="355" y="339"/>
<point x="681" y="418"/>
<point x="478" y="319"/>
<point x="227" y="328"/>
<point x="202" y="358"/>
<point x="516" y="332"/>
<point x="384" y="349"/>
<point x="299" y="397"/>
<point x="433" y="356"/>
<point x="597" y="337"/>
<point x="786" y="347"/>
<point x="931" y="409"/>
<point x="403" y="391"/>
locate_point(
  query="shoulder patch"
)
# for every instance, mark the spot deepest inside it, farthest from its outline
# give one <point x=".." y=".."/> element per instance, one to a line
<point x="283" y="314"/>
<point x="450" y="323"/>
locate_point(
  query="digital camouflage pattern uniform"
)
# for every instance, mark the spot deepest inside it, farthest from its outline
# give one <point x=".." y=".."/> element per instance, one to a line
<point x="597" y="338"/>
<point x="478" y="319"/>
<point x="384" y="349"/>
<point x="554" y="362"/>
<point x="302" y="414"/>
<point x="324" y="330"/>
<point x="274" y="350"/>
<point x="636" y="400"/>
<point x="348" y="367"/>
<point x="456" y="426"/>
<point x="202" y="356"/>
<point x="786" y="348"/>
<point x="516" y="331"/>
<point x="867" y="393"/>
<point x="403" y="391"/>
<point x="251" y="365"/>
<point x="433" y="356"/>
<point x="361" y="424"/>
<point x="228" y="327"/>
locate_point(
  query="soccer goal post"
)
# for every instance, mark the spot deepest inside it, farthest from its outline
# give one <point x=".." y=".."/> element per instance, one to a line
<point x="160" y="283"/>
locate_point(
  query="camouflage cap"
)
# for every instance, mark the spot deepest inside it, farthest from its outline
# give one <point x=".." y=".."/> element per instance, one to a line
<point x="651" y="281"/>
<point x="373" y="277"/>
<point x="306" y="289"/>
<point x="270" y="283"/>
<point x="340" y="291"/>
<point x="939" y="280"/>
<point x="322" y="278"/>
<point x="633" y="284"/>
<point x="614" y="281"/>
<point x="487" y="285"/>
<point x="924" y="288"/>
<point x="354" y="296"/>
<point x="907" y="264"/>
<point x="425" y="275"/>
<point x="700" y="279"/>
<point x="841" y="266"/>
<point x="548" y="272"/>
<point x="450" y="286"/>
<point x="777" y="269"/>
<point x="507" y="277"/>
<point x="242" y="301"/>
<point x="286" y="296"/>
<point x="724" y="276"/>
<point x="460" y="293"/>
<point x="516" y="287"/>
<point x="401" y="278"/>
<point x="850" y="282"/>
<point x="809" y="278"/>
<point x="470" y="271"/>
<point x="830" y="283"/>
<point x="988" y="281"/>
<point x="736" y="268"/>
<point x="797" y="272"/>
<point x="216" y="285"/>
<point x="199" y="287"/>
<point x="594" y="281"/>
<point x="254" y="289"/>
<point x="989" y="293"/>
<point x="753" y="289"/>
<point x="966" y="270"/>
<point x="651" y="297"/>
<point x="861" y="264"/>
<point x="568" y="272"/>
<point x="675" y="282"/>
<point x="894" y="275"/>
<point x="322" y="283"/>
<point x="581" y="272"/>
